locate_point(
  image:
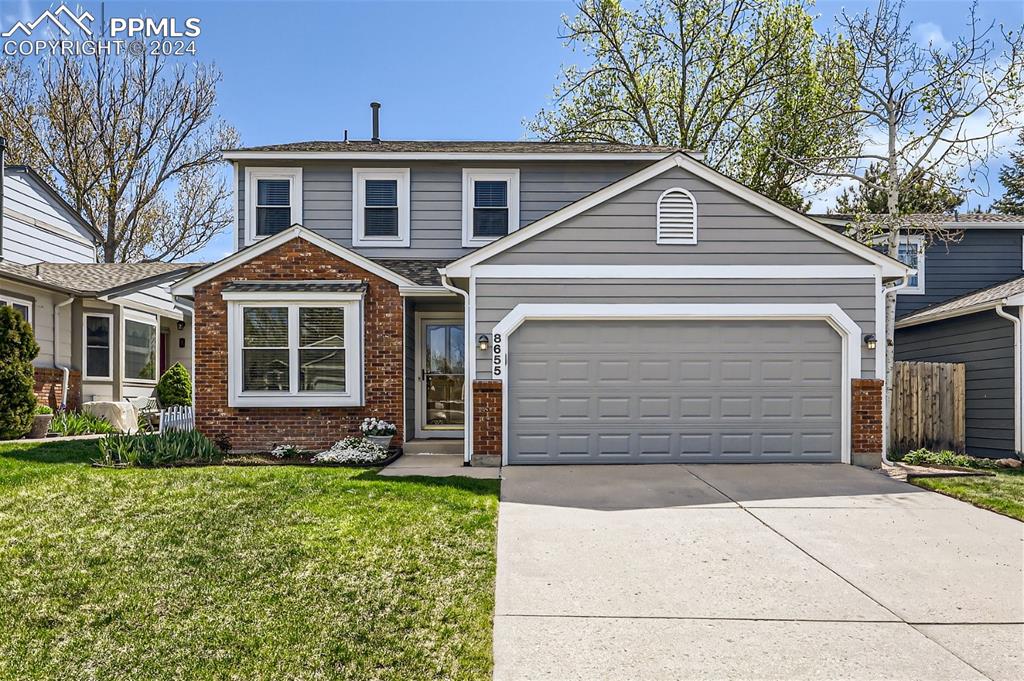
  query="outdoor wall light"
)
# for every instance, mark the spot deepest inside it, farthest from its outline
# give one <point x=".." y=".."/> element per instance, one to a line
<point x="870" y="341"/>
<point x="181" y="326"/>
<point x="483" y="342"/>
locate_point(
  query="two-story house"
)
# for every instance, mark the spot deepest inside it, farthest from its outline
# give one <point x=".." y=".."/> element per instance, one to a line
<point x="540" y="302"/>
<point x="964" y="305"/>
<point x="105" y="330"/>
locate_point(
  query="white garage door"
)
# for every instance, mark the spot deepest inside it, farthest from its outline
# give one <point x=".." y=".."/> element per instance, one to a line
<point x="658" y="391"/>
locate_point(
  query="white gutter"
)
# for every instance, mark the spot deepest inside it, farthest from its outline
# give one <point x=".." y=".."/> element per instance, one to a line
<point x="467" y="383"/>
<point x="56" y="348"/>
<point x="1016" y="374"/>
<point x="889" y="290"/>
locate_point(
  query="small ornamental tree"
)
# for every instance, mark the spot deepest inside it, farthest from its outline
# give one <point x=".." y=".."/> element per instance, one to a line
<point x="175" y="387"/>
<point x="18" y="348"/>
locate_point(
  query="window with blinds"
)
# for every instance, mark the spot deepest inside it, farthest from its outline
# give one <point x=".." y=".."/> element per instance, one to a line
<point x="273" y="206"/>
<point x="380" y="214"/>
<point x="381" y="208"/>
<point x="677" y="217"/>
<point x="490" y="208"/>
<point x="490" y="204"/>
<point x="293" y="348"/>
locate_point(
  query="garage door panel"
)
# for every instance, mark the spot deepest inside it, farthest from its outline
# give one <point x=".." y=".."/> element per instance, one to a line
<point x="634" y="391"/>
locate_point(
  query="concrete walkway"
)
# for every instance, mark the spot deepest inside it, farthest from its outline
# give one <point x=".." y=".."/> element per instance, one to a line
<point x="751" y="572"/>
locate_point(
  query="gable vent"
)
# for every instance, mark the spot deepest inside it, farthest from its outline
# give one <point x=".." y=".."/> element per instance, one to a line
<point x="677" y="217"/>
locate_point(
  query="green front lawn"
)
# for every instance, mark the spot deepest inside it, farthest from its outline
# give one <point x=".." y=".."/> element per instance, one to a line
<point x="1003" y="492"/>
<point x="220" y="572"/>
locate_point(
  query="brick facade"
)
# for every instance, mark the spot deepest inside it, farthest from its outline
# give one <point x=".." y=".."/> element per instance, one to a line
<point x="486" y="422"/>
<point x="49" y="384"/>
<point x="258" y="429"/>
<point x="867" y="420"/>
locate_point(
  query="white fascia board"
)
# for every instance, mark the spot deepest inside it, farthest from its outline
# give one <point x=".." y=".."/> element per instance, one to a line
<point x="441" y="156"/>
<point x="424" y="291"/>
<point x="291" y="296"/>
<point x="890" y="267"/>
<point x="186" y="287"/>
<point x="675" y="271"/>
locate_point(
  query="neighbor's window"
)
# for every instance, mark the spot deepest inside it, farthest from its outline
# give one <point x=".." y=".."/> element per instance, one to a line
<point x="911" y="252"/>
<point x="140" y="338"/>
<point x="300" y="353"/>
<point x="273" y="201"/>
<point x="380" y="215"/>
<point x="97" y="334"/>
<point x="490" y="205"/>
<point x="22" y="307"/>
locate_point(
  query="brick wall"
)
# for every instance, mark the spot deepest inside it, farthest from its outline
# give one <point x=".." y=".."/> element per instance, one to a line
<point x="259" y="429"/>
<point x="867" y="416"/>
<point x="486" y="422"/>
<point x="49" y="383"/>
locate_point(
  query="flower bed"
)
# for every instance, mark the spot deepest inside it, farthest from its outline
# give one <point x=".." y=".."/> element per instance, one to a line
<point x="352" y="451"/>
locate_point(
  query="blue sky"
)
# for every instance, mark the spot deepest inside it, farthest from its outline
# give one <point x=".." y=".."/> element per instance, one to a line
<point x="442" y="70"/>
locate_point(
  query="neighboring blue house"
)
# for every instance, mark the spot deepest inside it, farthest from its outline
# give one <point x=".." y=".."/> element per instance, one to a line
<point x="964" y="305"/>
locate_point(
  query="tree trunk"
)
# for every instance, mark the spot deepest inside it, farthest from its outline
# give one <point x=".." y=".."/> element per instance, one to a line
<point x="893" y="209"/>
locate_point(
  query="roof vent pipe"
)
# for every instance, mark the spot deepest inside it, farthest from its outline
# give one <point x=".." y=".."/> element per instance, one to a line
<point x="376" y="122"/>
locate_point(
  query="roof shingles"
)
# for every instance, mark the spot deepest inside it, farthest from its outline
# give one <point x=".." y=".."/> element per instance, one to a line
<point x="93" y="278"/>
<point x="412" y="146"/>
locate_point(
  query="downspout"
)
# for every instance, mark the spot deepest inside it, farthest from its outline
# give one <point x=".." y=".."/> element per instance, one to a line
<point x="889" y="290"/>
<point x="467" y="386"/>
<point x="65" y="381"/>
<point x="1016" y="374"/>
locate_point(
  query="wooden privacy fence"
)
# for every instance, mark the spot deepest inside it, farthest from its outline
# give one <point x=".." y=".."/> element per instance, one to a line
<point x="928" y="407"/>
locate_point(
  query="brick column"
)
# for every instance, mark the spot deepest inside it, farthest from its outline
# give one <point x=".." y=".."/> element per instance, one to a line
<point x="486" y="423"/>
<point x="866" y="410"/>
<point x="49" y="382"/>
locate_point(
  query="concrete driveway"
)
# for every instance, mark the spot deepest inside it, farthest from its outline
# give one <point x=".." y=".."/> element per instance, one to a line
<point x="751" y="572"/>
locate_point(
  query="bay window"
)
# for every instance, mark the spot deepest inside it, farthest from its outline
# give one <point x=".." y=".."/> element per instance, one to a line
<point x="294" y="352"/>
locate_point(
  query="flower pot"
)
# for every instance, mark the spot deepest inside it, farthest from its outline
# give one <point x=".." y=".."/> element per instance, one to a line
<point x="382" y="440"/>
<point x="40" y="425"/>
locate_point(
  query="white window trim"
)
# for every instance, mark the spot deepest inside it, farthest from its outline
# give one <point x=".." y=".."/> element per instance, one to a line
<point x="149" y="320"/>
<point x="471" y="175"/>
<point x="666" y="240"/>
<point x="252" y="175"/>
<point x="86" y="376"/>
<point x="352" y="397"/>
<point x="919" y="241"/>
<point x="12" y="300"/>
<point x="359" y="177"/>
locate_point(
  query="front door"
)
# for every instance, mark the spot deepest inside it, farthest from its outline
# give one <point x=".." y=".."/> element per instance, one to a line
<point x="441" y="403"/>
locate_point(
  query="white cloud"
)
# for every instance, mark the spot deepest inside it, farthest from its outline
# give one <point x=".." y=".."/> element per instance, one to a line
<point x="929" y="33"/>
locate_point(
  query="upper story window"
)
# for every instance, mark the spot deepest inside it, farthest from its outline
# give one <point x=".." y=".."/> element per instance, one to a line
<point x="22" y="307"/>
<point x="911" y="252"/>
<point x="677" y="217"/>
<point x="380" y="207"/>
<point x="98" y="351"/>
<point x="273" y="201"/>
<point x="490" y="205"/>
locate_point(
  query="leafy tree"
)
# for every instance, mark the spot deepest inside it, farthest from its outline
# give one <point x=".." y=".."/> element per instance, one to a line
<point x="133" y="144"/>
<point x="175" y="387"/>
<point x="18" y="348"/>
<point x="915" y="115"/>
<point x="918" y="194"/>
<point x="732" y="78"/>
<point x="1012" y="177"/>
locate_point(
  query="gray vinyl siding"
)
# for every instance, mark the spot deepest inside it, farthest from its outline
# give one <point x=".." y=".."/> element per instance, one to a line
<point x="36" y="229"/>
<point x="983" y="342"/>
<point x="495" y="298"/>
<point x="983" y="257"/>
<point x="622" y="230"/>
<point x="436" y="198"/>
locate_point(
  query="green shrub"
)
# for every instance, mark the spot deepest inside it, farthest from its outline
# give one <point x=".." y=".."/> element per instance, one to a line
<point x="924" y="457"/>
<point x="18" y="348"/>
<point x="80" y="423"/>
<point x="158" y="450"/>
<point x="43" y="409"/>
<point x="175" y="387"/>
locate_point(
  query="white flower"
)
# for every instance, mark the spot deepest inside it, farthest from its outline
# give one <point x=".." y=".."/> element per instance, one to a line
<point x="352" y="450"/>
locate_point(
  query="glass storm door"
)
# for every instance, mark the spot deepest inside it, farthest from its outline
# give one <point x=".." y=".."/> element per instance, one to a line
<point x="442" y="376"/>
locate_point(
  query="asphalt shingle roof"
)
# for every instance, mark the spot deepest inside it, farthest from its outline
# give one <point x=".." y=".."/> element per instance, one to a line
<point x="970" y="301"/>
<point x="293" y="286"/>
<point x="408" y="146"/>
<point x="931" y="219"/>
<point x="93" y="278"/>
<point x="421" y="272"/>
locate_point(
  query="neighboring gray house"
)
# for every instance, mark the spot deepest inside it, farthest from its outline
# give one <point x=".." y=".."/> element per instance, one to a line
<point x="623" y="304"/>
<point x="105" y="331"/>
<point x="962" y="306"/>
